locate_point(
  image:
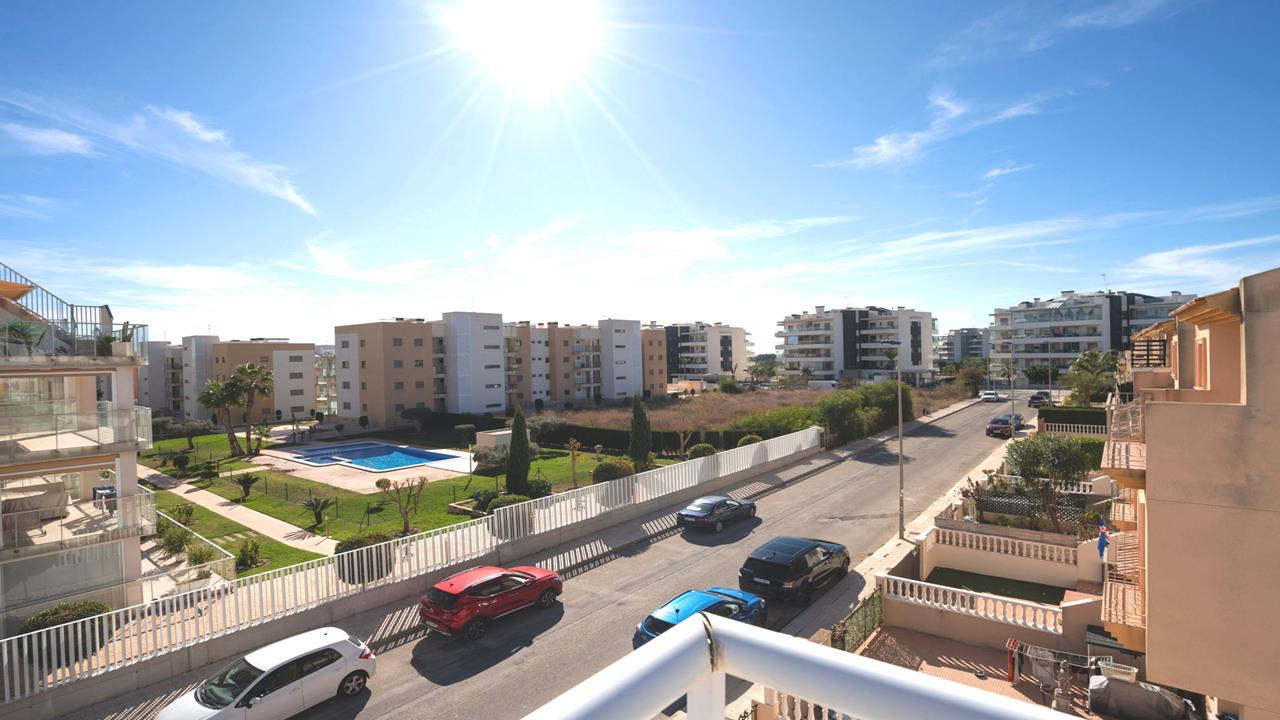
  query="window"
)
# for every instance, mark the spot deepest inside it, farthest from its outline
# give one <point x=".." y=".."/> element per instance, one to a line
<point x="295" y="358"/>
<point x="317" y="661"/>
<point x="727" y="609"/>
<point x="397" y="342"/>
<point x="362" y="342"/>
<point x="399" y="407"/>
<point x="398" y="385"/>
<point x="346" y="344"/>
<point x="492" y="386"/>
<point x="346" y="406"/>
<point x="621" y="377"/>
<point x="418" y="363"/>
<point x="486" y="589"/>
<point x="277" y="679"/>
<point x="492" y="347"/>
<point x="363" y="364"/>
<point x="1202" y="364"/>
<point x="297" y="409"/>
<point x="364" y="407"/>
<point x="397" y="363"/>
<point x="620" y="347"/>
<point x="566" y="376"/>
<point x="364" y="386"/>
<point x="346" y="365"/>
<point x="619" y="362"/>
<point x="566" y="343"/>
<point x="295" y="376"/>
<point x="510" y="583"/>
<point x="494" y="405"/>
<point x="419" y="384"/>
<point x="492" y="327"/>
<point x="297" y="391"/>
<point x="619" y="330"/>
<point x="346" y="385"/>
<point x="492" y="367"/>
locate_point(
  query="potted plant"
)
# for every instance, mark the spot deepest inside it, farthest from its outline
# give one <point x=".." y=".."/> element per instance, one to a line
<point x="22" y="333"/>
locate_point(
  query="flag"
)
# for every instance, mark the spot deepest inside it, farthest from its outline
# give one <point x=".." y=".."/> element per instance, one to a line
<point x="1104" y="539"/>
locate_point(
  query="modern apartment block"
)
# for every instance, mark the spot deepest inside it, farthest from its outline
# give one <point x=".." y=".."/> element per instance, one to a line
<point x="326" y="380"/>
<point x="699" y="351"/>
<point x="71" y="513"/>
<point x="856" y="344"/>
<point x="1192" y="594"/>
<point x="293" y="372"/>
<point x="160" y="380"/>
<point x="384" y="368"/>
<point x="656" y="374"/>
<point x="960" y="344"/>
<point x="475" y="362"/>
<point x="197" y="370"/>
<point x="1054" y="332"/>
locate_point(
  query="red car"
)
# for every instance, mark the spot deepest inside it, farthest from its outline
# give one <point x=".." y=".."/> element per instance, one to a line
<point x="465" y="604"/>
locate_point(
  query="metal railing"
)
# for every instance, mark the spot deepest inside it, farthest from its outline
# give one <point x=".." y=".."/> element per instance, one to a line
<point x="28" y="339"/>
<point x="38" y="661"/>
<point x="1075" y="487"/>
<point x="1126" y="419"/>
<point x="80" y="523"/>
<point x="26" y="437"/>
<point x="802" y="679"/>
<point x="1007" y="546"/>
<point x="1010" y="611"/>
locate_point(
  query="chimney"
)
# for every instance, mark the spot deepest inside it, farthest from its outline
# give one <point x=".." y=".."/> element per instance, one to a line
<point x="820" y="308"/>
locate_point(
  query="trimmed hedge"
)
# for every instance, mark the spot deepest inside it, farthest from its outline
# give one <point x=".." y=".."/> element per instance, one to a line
<point x="749" y="440"/>
<point x="663" y="441"/>
<point x="1073" y="415"/>
<point x="66" y="612"/>
<point x="701" y="450"/>
<point x="504" y="500"/>
<point x="612" y="469"/>
<point x="1094" y="447"/>
<point x="376" y="564"/>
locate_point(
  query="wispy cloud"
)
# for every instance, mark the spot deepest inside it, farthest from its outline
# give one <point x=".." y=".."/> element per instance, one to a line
<point x="1006" y="169"/>
<point x="1031" y="27"/>
<point x="949" y="120"/>
<point x="46" y="141"/>
<point x="31" y="207"/>
<point x="1204" y="266"/>
<point x="175" y="136"/>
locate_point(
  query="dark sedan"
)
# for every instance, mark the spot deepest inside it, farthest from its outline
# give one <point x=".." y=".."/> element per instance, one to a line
<point x="1004" y="425"/>
<point x="714" y="512"/>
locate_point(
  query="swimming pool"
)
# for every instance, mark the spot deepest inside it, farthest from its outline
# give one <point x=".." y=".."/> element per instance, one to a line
<point x="373" y="457"/>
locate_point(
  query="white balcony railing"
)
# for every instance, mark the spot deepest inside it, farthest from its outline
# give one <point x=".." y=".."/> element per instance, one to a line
<point x="1076" y="429"/>
<point x="1045" y="618"/>
<point x="1007" y="546"/>
<point x="693" y="660"/>
<point x="27" y="437"/>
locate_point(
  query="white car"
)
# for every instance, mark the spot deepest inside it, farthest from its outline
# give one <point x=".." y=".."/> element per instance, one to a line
<point x="280" y="680"/>
<point x="989" y="396"/>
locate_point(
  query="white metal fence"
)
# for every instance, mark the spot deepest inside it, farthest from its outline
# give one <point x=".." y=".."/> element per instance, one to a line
<point x="1007" y="546"/>
<point x="38" y="661"/>
<point x="1021" y="613"/>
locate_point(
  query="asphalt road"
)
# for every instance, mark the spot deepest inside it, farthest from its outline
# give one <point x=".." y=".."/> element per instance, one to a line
<point x="530" y="657"/>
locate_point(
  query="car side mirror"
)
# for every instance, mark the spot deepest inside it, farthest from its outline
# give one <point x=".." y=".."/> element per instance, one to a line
<point x="255" y="701"/>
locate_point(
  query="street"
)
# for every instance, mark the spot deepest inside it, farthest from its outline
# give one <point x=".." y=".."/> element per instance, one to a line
<point x="530" y="657"/>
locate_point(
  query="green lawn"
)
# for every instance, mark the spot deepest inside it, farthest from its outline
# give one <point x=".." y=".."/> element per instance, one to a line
<point x="1034" y="592"/>
<point x="279" y="495"/>
<point x="210" y="447"/>
<point x="228" y="535"/>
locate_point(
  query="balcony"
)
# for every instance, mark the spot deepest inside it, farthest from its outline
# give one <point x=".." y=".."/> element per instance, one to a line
<point x="26" y="342"/>
<point x="31" y="438"/>
<point x="1124" y="611"/>
<point x="694" y="659"/>
<point x="61" y="524"/>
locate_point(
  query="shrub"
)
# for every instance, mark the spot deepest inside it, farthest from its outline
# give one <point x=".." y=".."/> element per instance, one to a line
<point x="1072" y="415"/>
<point x="1092" y="447"/>
<point x="248" y="555"/>
<point x="729" y="385"/>
<point x="182" y="513"/>
<point x="519" y="455"/>
<point x="483" y="498"/>
<point x="539" y="489"/>
<point x="777" y="421"/>
<point x="612" y="469"/>
<point x="174" y="540"/>
<point x="748" y="440"/>
<point x="89" y="639"/>
<point x="701" y="450"/>
<point x="208" y="473"/>
<point x="357" y="565"/>
<point x="162" y="526"/>
<point x="199" y="555"/>
<point x="180" y="462"/>
<point x="504" y="500"/>
<point x="491" y="457"/>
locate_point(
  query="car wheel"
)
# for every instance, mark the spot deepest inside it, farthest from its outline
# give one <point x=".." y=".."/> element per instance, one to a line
<point x="751" y="511"/>
<point x="474" y="630"/>
<point x="844" y="569"/>
<point x="547" y="599"/>
<point x="352" y="684"/>
<point x="719" y="526"/>
<point x="806" y="594"/>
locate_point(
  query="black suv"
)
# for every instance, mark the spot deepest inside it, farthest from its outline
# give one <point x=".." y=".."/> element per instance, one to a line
<point x="1042" y="397"/>
<point x="793" y="568"/>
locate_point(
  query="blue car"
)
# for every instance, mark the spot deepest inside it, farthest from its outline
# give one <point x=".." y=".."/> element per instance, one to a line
<point x="725" y="602"/>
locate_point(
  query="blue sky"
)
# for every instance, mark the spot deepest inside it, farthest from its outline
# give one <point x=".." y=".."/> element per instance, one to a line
<point x="274" y="169"/>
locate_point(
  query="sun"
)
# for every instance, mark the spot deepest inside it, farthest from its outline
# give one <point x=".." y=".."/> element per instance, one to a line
<point x="534" y="46"/>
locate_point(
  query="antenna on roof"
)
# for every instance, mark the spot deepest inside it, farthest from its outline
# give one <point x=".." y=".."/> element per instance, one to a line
<point x="1106" y="284"/>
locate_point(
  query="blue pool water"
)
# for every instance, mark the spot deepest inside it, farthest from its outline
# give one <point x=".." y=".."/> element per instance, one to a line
<point x="372" y="456"/>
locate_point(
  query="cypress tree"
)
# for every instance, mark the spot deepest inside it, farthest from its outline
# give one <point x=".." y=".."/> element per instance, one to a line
<point x="641" y="435"/>
<point x="518" y="456"/>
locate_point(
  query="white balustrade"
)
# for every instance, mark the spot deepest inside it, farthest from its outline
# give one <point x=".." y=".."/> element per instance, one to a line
<point x="1075" y="429"/>
<point x="1007" y="546"/>
<point x="1011" y="611"/>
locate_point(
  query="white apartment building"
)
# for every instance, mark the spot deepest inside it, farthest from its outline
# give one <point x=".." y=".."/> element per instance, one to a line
<point x="72" y="514"/>
<point x="857" y="344"/>
<point x="960" y="344"/>
<point x="621" y="358"/>
<point x="197" y="369"/>
<point x="160" y="380"/>
<point x="475" y="358"/>
<point x="1054" y="332"/>
<point x="701" y="351"/>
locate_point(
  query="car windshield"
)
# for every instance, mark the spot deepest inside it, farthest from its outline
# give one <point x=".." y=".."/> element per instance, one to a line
<point x="439" y="597"/>
<point x="222" y="689"/>
<point x="1000" y="420"/>
<point x="656" y="626"/>
<point x="700" y="506"/>
<point x="765" y="569"/>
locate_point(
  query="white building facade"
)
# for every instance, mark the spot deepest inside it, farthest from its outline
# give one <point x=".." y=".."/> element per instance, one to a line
<point x="857" y="345"/>
<point x="702" y="351"/>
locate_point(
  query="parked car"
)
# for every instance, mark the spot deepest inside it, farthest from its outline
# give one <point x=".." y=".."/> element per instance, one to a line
<point x="1002" y="426"/>
<point x="714" y="511"/>
<point x="465" y="603"/>
<point x="1040" y="397"/>
<point x="793" y="568"/>
<point x="280" y="680"/>
<point x="989" y="396"/>
<point x="725" y="602"/>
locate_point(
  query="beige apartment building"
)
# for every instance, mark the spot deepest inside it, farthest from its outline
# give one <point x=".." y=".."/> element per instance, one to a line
<point x="653" y="341"/>
<point x="1193" y="592"/>
<point x="384" y="368"/>
<point x="293" y="371"/>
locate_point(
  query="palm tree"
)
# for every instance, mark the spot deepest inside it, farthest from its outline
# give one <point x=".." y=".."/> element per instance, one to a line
<point x="1008" y="372"/>
<point x="255" y="380"/>
<point x="23" y="332"/>
<point x="317" y="505"/>
<point x="219" y="398"/>
<point x="1091" y="373"/>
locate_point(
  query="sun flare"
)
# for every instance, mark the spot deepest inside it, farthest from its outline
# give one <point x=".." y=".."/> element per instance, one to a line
<point x="534" y="46"/>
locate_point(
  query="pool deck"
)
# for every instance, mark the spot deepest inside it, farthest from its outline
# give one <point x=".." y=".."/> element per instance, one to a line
<point x="355" y="479"/>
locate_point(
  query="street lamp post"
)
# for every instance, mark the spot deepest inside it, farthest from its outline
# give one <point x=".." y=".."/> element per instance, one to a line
<point x="897" y="362"/>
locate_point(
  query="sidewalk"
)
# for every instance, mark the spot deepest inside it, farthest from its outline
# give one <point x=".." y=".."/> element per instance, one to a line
<point x="258" y="522"/>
